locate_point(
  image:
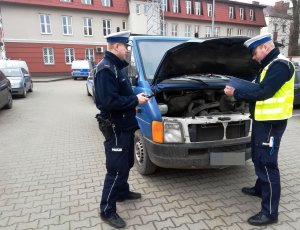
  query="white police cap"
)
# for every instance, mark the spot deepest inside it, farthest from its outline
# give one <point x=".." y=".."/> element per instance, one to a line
<point x="257" y="40"/>
<point x="122" y="37"/>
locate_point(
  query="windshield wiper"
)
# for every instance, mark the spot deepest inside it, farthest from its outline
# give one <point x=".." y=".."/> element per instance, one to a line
<point x="196" y="79"/>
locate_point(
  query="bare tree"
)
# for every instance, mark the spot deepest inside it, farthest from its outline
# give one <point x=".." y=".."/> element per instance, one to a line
<point x="294" y="48"/>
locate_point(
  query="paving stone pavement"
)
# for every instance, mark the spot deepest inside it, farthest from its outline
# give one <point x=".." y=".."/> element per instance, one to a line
<point x="52" y="170"/>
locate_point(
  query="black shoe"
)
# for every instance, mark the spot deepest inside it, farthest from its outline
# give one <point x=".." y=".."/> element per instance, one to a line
<point x="250" y="191"/>
<point x="114" y="220"/>
<point x="131" y="196"/>
<point x="261" y="219"/>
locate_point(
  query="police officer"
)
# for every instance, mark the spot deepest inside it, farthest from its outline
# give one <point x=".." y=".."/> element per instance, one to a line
<point x="270" y="107"/>
<point x="116" y="101"/>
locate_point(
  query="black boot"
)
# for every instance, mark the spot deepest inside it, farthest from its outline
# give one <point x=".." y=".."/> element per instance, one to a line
<point x="130" y="196"/>
<point x="261" y="220"/>
<point x="250" y="191"/>
<point x="114" y="220"/>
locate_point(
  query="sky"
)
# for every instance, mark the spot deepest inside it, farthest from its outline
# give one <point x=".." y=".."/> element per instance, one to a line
<point x="263" y="2"/>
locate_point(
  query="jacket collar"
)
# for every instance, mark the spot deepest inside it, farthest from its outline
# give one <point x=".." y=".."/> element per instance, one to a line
<point x="270" y="57"/>
<point x="120" y="64"/>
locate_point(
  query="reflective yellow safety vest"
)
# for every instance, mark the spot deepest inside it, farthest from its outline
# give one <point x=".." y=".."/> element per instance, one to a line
<point x="280" y="106"/>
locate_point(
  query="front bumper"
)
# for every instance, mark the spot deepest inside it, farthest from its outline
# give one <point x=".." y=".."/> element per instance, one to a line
<point x="17" y="91"/>
<point x="199" y="155"/>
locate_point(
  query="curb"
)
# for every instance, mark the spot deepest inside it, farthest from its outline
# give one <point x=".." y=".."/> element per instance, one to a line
<point x="50" y="80"/>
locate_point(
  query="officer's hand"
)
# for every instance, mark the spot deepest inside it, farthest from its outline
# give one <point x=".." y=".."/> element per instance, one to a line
<point x="229" y="90"/>
<point x="142" y="98"/>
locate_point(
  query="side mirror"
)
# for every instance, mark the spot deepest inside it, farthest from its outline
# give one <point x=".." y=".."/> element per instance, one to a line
<point x="26" y="75"/>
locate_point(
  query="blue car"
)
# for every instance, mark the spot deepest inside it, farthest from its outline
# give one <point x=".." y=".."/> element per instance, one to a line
<point x="189" y="122"/>
<point x="90" y="87"/>
<point x="20" y="80"/>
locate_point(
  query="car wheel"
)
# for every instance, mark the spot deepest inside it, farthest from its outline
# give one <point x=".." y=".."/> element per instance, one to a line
<point x="31" y="87"/>
<point x="142" y="161"/>
<point x="10" y="102"/>
<point x="75" y="78"/>
<point x="88" y="93"/>
<point x="24" y="92"/>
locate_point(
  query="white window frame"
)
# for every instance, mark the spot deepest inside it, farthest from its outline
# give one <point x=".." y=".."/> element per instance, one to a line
<point x="174" y="30"/>
<point x="138" y="8"/>
<point x="87" y="2"/>
<point x="229" y="32"/>
<point x="188" y="4"/>
<point x="251" y="15"/>
<point x="250" y="33"/>
<point x="164" y="5"/>
<point x="45" y="23"/>
<point x="106" y="23"/>
<point x="209" y="9"/>
<point x="48" y="58"/>
<point x="240" y="31"/>
<point x="187" y="30"/>
<point x="217" y="32"/>
<point x="197" y="8"/>
<point x="231" y="12"/>
<point x="70" y="55"/>
<point x="196" y="30"/>
<point x="175" y="6"/>
<point x="242" y="13"/>
<point x="106" y="3"/>
<point x="208" y="32"/>
<point x="164" y="29"/>
<point x="68" y="26"/>
<point x="87" y="26"/>
<point x="66" y="0"/>
<point x="90" y="54"/>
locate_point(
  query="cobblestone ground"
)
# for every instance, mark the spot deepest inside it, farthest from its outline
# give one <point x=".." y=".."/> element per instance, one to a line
<point x="52" y="170"/>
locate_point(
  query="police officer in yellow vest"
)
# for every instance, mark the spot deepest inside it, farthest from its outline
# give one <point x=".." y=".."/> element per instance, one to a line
<point x="270" y="107"/>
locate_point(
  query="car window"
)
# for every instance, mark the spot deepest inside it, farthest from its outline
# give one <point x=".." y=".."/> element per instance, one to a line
<point x="24" y="71"/>
<point x="12" y="73"/>
<point x="297" y="77"/>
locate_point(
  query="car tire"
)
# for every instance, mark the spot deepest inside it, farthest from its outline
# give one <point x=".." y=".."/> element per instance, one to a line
<point x="88" y="93"/>
<point x="75" y="78"/>
<point x="142" y="161"/>
<point x="31" y="87"/>
<point x="24" y="94"/>
<point x="10" y="102"/>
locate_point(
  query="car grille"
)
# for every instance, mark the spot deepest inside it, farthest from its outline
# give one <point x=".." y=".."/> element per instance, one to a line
<point x="215" y="132"/>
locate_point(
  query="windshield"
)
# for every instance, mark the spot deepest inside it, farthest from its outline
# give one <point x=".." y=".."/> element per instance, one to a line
<point x="12" y="73"/>
<point x="152" y="52"/>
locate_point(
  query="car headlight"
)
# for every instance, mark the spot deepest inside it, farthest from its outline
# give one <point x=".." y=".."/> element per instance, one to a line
<point x="173" y="132"/>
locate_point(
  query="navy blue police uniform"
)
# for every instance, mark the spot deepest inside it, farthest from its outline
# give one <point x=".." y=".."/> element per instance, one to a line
<point x="116" y="101"/>
<point x="265" y="161"/>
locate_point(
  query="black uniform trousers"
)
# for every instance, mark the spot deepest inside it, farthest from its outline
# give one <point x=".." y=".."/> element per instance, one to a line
<point x="265" y="159"/>
<point x="119" y="152"/>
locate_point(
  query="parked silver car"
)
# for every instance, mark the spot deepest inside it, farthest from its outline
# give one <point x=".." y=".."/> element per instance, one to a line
<point x="20" y="80"/>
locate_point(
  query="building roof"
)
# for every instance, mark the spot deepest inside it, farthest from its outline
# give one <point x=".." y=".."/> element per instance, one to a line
<point x="270" y="11"/>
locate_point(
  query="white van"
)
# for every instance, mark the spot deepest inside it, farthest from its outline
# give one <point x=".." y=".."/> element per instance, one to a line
<point x="81" y="68"/>
<point x="7" y="63"/>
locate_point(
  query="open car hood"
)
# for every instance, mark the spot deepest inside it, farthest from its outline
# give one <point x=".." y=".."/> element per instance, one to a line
<point x="224" y="56"/>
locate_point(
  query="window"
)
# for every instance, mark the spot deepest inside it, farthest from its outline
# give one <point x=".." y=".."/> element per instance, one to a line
<point x="174" y="30"/>
<point x="164" y="5"/>
<point x="45" y="24"/>
<point x="138" y="9"/>
<point x="48" y="56"/>
<point x="242" y="13"/>
<point x="188" y="7"/>
<point x="283" y="28"/>
<point x="89" y="54"/>
<point x="229" y="32"/>
<point x="106" y="2"/>
<point x="87" y="2"/>
<point x="66" y="0"/>
<point x="163" y="29"/>
<point x="217" y="32"/>
<point x="208" y="31"/>
<point x="231" y="12"/>
<point x="67" y="25"/>
<point x="124" y="25"/>
<point x="187" y="31"/>
<point x="240" y="32"/>
<point x="198" y="8"/>
<point x="106" y="27"/>
<point x="209" y="9"/>
<point x="251" y="15"/>
<point x="175" y="6"/>
<point x="69" y="55"/>
<point x="87" y="27"/>
<point x="196" y="31"/>
<point x="146" y="9"/>
<point x="275" y="27"/>
<point x="250" y="33"/>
